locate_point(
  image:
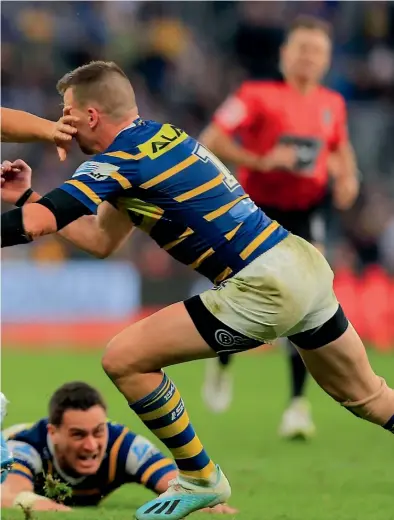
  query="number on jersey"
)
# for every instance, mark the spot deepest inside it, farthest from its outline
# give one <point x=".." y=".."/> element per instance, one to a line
<point x="206" y="156"/>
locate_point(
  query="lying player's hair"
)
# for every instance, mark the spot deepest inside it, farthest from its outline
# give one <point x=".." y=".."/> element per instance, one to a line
<point x="103" y="82"/>
<point x="310" y="22"/>
<point x="76" y="395"/>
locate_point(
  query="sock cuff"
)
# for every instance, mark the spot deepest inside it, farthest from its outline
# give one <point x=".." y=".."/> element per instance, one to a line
<point x="153" y="400"/>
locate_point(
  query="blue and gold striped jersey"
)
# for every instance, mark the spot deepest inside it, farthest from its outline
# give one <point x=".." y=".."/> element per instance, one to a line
<point x="129" y="458"/>
<point x="181" y="195"/>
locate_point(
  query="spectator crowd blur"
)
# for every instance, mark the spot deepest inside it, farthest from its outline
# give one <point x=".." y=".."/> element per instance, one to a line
<point x="183" y="58"/>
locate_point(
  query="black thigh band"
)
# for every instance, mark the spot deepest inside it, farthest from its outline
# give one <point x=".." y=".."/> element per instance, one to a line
<point x="220" y="337"/>
<point x="326" y="333"/>
<point x="64" y="206"/>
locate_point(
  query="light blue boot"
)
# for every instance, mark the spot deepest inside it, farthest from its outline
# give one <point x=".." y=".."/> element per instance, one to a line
<point x="184" y="496"/>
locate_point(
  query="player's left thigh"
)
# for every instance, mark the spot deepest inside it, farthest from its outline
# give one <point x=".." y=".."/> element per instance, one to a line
<point x="166" y="338"/>
<point x="341" y="367"/>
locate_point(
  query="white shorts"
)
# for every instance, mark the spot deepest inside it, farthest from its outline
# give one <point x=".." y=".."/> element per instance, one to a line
<point x="285" y="291"/>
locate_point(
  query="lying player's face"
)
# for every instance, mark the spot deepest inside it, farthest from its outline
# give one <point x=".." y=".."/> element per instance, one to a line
<point x="306" y="55"/>
<point x="85" y="135"/>
<point x="81" y="440"/>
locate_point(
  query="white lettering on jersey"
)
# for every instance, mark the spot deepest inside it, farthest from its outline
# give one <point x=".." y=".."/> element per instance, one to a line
<point x="140" y="452"/>
<point x="26" y="453"/>
<point x="96" y="170"/>
<point x="232" y="113"/>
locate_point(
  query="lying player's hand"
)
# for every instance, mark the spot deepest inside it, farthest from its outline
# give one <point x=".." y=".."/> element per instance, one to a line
<point x="63" y="132"/>
<point x="15" y="180"/>
<point x="223" y="509"/>
<point x="282" y="157"/>
<point x="49" y="505"/>
<point x="345" y="192"/>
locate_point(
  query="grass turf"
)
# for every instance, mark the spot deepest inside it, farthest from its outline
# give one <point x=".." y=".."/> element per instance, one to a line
<point x="343" y="474"/>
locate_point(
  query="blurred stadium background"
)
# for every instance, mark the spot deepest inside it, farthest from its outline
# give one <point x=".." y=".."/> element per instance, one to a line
<point x="183" y="58"/>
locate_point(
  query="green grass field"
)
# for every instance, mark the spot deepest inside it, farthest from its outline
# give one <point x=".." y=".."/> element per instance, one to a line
<point x="345" y="473"/>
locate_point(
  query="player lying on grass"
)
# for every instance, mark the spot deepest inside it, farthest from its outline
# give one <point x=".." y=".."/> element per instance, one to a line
<point x="77" y="456"/>
<point x="269" y="283"/>
<point x="21" y="127"/>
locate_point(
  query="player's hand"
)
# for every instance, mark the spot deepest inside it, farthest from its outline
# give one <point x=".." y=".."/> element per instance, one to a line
<point x="63" y="132"/>
<point x="15" y="180"/>
<point x="221" y="509"/>
<point x="49" y="505"/>
<point x="345" y="192"/>
<point x="282" y="157"/>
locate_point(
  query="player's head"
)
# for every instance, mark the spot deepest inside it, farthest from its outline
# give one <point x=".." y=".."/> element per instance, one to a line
<point x="78" y="428"/>
<point x="101" y="96"/>
<point x="306" y="53"/>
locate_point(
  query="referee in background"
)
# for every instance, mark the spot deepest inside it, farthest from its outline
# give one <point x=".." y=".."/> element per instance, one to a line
<point x="288" y="140"/>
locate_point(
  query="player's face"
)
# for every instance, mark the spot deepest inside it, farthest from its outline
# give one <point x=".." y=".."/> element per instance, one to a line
<point x="86" y="124"/>
<point x="81" y="440"/>
<point x="306" y="55"/>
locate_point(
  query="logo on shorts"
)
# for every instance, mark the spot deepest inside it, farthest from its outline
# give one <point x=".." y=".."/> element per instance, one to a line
<point x="220" y="286"/>
<point x="226" y="339"/>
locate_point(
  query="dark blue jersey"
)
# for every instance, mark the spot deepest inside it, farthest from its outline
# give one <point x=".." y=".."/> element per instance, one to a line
<point x="129" y="458"/>
<point x="181" y="195"/>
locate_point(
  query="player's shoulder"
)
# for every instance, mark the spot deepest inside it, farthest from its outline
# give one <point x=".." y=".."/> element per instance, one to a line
<point x="119" y="434"/>
<point x="34" y="433"/>
<point x="334" y="97"/>
<point x="262" y="87"/>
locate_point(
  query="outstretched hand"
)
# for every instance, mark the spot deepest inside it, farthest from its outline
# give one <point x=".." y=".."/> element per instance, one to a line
<point x="15" y="180"/>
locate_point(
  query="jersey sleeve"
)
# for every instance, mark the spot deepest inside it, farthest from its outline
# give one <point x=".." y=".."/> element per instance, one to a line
<point x="98" y="180"/>
<point x="340" y="134"/>
<point x="237" y="111"/>
<point x="27" y="460"/>
<point x="146" y="464"/>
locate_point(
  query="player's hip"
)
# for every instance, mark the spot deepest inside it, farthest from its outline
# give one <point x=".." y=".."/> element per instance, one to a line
<point x="285" y="291"/>
<point x="309" y="223"/>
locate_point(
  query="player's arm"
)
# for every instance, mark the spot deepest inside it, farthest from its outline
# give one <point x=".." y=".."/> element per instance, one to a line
<point x="220" y="136"/>
<point x="145" y="464"/>
<point x="239" y="112"/>
<point x="99" y="235"/>
<point x="63" y="206"/>
<point x="18" y="488"/>
<point x="21" y="127"/>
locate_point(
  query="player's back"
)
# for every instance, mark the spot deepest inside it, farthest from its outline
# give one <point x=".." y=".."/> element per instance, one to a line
<point x="185" y="197"/>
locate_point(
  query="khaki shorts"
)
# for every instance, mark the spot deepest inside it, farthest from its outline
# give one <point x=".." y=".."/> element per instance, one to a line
<point x="285" y="291"/>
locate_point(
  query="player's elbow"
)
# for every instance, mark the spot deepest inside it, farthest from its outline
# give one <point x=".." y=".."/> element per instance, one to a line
<point x="162" y="484"/>
<point x="7" y="497"/>
<point x="38" y="221"/>
<point x="104" y="249"/>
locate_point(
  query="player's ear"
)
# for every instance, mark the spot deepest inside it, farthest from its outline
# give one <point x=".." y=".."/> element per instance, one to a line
<point x="51" y="429"/>
<point x="93" y="117"/>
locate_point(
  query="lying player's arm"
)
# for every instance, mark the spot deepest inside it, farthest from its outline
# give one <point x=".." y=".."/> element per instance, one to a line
<point x="18" y="491"/>
<point x="21" y="127"/>
<point x="18" y="488"/>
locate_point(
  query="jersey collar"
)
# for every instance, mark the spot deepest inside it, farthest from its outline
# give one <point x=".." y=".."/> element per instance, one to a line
<point x="136" y="122"/>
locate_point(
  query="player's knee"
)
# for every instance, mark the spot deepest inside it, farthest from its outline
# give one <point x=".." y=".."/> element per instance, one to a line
<point x="378" y="408"/>
<point x="118" y="361"/>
